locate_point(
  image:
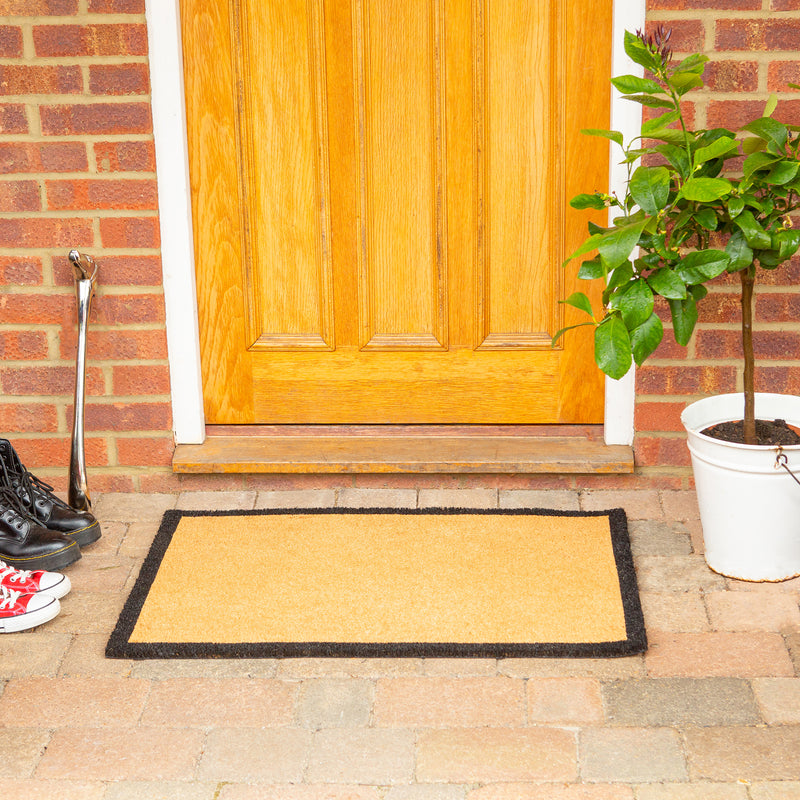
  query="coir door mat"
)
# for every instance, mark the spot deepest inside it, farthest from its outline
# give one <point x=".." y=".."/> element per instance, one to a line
<point x="353" y="582"/>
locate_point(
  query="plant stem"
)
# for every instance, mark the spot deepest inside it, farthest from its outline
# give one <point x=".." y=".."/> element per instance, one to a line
<point x="748" y="279"/>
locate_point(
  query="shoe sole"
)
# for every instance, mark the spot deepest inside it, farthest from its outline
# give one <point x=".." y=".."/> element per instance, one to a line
<point x="31" y="619"/>
<point x="50" y="562"/>
<point x="85" y="536"/>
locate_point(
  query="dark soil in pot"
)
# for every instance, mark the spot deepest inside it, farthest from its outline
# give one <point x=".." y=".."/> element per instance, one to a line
<point x="768" y="432"/>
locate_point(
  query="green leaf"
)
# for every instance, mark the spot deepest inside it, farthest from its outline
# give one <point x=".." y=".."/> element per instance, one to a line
<point x="693" y="63"/>
<point x="770" y="130"/>
<point x="677" y="157"/>
<point x="715" y="150"/>
<point x="649" y="100"/>
<point x="615" y="136"/>
<point x="616" y="247"/>
<point x="560" y="333"/>
<point x="612" y="347"/>
<point x="788" y="242"/>
<point x="636" y="304"/>
<point x="638" y="52"/>
<point x="666" y="283"/>
<point x="755" y="235"/>
<point x="771" y="105"/>
<point x="581" y="201"/>
<point x="591" y="269"/>
<point x="739" y="252"/>
<point x="684" y="318"/>
<point x="735" y="206"/>
<point x="752" y="144"/>
<point x="783" y="172"/>
<point x="590" y="244"/>
<point x="619" y="277"/>
<point x="706" y="190"/>
<point x="658" y="123"/>
<point x="671" y="135"/>
<point x="580" y="301"/>
<point x="631" y="84"/>
<point x="649" y="187"/>
<point x="756" y="161"/>
<point x="646" y="338"/>
<point x="707" y="219"/>
<point x="702" y="265"/>
<point x="684" y="82"/>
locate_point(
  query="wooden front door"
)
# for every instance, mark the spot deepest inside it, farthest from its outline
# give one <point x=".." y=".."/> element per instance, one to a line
<point x="380" y="196"/>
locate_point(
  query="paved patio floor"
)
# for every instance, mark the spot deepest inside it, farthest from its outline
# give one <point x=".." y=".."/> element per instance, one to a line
<point x="711" y="712"/>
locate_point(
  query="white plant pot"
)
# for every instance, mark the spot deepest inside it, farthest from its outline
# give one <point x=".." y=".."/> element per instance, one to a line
<point x="749" y="508"/>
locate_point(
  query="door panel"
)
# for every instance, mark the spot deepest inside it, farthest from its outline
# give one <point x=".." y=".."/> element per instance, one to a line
<point x="396" y="176"/>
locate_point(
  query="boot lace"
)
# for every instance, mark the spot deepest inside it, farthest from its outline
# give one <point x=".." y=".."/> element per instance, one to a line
<point x="25" y="483"/>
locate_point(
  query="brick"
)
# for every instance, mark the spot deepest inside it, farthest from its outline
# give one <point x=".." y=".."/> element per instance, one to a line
<point x="49" y="380"/>
<point x="631" y="755"/>
<point x="752" y="611"/>
<point x="16" y="79"/>
<point x="28" y="418"/>
<point x="39" y="8"/>
<point x="296" y="498"/>
<point x="564" y="701"/>
<point x="238" y="755"/>
<point x="19" y="345"/>
<point x="123" y="270"/>
<point x="709" y="655"/>
<point x="20" y="196"/>
<point x="777" y="307"/>
<point x="726" y="754"/>
<point x="21" y="270"/>
<point x="125" y="156"/>
<point x="95" y="119"/>
<point x="361" y="756"/>
<point x="676" y="573"/>
<point x="101" y="194"/>
<point x="781" y="73"/>
<point x="128" y="416"/>
<point x="377" y="498"/>
<point x="458" y="498"/>
<point x="675" y="702"/>
<point x="233" y="702"/>
<point x="135" y="753"/>
<point x="145" y="452"/>
<point x="552" y="791"/>
<point x="686" y="380"/>
<point x="783" y="380"/>
<point x="20" y="157"/>
<point x="134" y="309"/>
<point x="10" y="41"/>
<point x="682" y="612"/>
<point x="54" y="452"/>
<point x="658" y="416"/>
<point x="133" y="379"/>
<point x="116" y="6"/>
<point x="732" y="76"/>
<point x="37" y="309"/>
<point x="778" y="699"/>
<point x="119" y="79"/>
<point x="306" y="792"/>
<point x="688" y="36"/>
<point x="784" y="5"/>
<point x="36" y="233"/>
<point x="133" y="507"/>
<point x="637" y="505"/>
<point x="661" y="451"/>
<point x="686" y="791"/>
<point x="27" y="656"/>
<point x="20" y="751"/>
<point x="134" y="232"/>
<point x="659" y="538"/>
<point x="334" y="703"/>
<point x="118" y="344"/>
<point x="70" y="41"/>
<point x="496" y="755"/>
<point x="13" y="118"/>
<point x="449" y="703"/>
<point x="86" y="702"/>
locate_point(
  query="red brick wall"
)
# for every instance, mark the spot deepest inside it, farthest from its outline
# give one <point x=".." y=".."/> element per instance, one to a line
<point x="754" y="48"/>
<point x="77" y="170"/>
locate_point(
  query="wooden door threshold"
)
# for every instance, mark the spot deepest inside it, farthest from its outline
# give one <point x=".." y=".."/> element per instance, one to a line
<point x="403" y="449"/>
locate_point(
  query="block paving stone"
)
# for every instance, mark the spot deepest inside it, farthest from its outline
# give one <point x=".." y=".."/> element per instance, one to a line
<point x="711" y="712"/>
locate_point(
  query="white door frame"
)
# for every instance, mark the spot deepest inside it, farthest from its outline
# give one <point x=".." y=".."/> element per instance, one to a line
<point x="175" y="217"/>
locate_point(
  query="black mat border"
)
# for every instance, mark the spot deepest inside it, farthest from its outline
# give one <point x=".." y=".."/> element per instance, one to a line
<point x="119" y="645"/>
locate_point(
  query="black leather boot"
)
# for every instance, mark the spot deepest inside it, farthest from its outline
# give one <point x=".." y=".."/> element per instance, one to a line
<point x="25" y="544"/>
<point x="38" y="500"/>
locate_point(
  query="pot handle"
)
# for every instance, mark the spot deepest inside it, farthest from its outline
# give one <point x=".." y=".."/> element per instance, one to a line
<point x="782" y="461"/>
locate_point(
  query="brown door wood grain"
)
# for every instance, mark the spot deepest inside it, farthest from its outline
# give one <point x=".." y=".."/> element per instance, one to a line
<point x="380" y="199"/>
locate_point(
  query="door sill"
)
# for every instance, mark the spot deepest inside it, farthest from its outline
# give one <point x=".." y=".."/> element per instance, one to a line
<point x="510" y="449"/>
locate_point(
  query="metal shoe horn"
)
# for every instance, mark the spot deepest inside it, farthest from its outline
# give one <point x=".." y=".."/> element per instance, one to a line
<point x="85" y="272"/>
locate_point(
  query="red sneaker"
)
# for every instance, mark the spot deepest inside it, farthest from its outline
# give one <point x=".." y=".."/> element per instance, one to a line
<point x="26" y="581"/>
<point x="18" y="612"/>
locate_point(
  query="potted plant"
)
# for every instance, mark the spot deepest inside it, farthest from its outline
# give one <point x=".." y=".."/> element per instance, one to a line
<point x="698" y="204"/>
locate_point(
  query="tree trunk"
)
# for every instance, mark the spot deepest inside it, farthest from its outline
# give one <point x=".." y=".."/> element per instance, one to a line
<point x="748" y="279"/>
